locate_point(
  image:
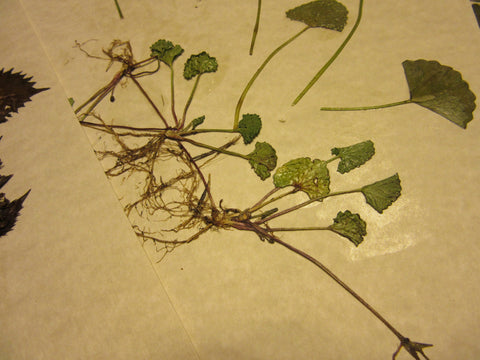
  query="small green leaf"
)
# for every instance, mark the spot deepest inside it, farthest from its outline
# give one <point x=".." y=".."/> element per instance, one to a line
<point x="249" y="127"/>
<point x="354" y="156"/>
<point x="263" y="159"/>
<point x="381" y="194"/>
<point x="199" y="64"/>
<point x="440" y="89"/>
<point x="329" y="14"/>
<point x="71" y="101"/>
<point x="165" y="51"/>
<point x="311" y="177"/>
<point x="350" y="226"/>
<point x="197" y="122"/>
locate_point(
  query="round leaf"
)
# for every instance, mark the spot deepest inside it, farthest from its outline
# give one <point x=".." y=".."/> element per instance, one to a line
<point x="354" y="156"/>
<point x="329" y="14"/>
<point x="311" y="177"/>
<point x="249" y="127"/>
<point x="165" y="51"/>
<point x="441" y="89"/>
<point x="263" y="159"/>
<point x="381" y="194"/>
<point x="199" y="64"/>
<point x="350" y="226"/>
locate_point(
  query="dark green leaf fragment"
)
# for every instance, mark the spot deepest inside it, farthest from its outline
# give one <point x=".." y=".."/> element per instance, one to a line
<point x="249" y="127"/>
<point x="165" y="51"/>
<point x="329" y="14"/>
<point x="197" y="122"/>
<point x="354" y="156"/>
<point x="440" y="89"/>
<point x="263" y="159"/>
<point x="199" y="64"/>
<point x="381" y="194"/>
<point x="311" y="177"/>
<point x="349" y="225"/>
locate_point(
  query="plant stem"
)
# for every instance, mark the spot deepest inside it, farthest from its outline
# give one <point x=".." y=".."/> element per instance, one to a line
<point x="262" y="203"/>
<point x="212" y="148"/>
<point x="189" y="101"/>
<point x="309" y="228"/>
<point x="305" y="203"/>
<point x="204" y="131"/>
<point x="257" y="73"/>
<point x="172" y="95"/>
<point x="343" y="285"/>
<point x="142" y="90"/>
<point x="257" y="25"/>
<point x="334" y="56"/>
<point x="118" y="9"/>
<point x="373" y="107"/>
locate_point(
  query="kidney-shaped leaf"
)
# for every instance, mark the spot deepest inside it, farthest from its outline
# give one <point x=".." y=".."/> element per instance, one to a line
<point x="441" y="89"/>
<point x="311" y="177"/>
<point x="349" y="225"/>
<point x="199" y="64"/>
<point x="353" y="156"/>
<point x="381" y="194"/>
<point x="166" y="51"/>
<point x="329" y="14"/>
<point x="249" y="127"/>
<point x="263" y="159"/>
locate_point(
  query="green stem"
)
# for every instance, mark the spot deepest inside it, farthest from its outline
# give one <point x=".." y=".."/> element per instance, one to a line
<point x="257" y="25"/>
<point x="310" y="228"/>
<point x="358" y="108"/>
<point x="172" y="95"/>
<point x="150" y="101"/>
<point x="305" y="203"/>
<point x="203" y="131"/>
<point x="257" y="73"/>
<point x="118" y="9"/>
<point x="264" y="203"/>
<point x="212" y="148"/>
<point x="189" y="101"/>
<point x="334" y="56"/>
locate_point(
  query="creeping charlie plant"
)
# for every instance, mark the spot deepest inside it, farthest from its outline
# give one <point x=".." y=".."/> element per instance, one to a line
<point x="185" y="202"/>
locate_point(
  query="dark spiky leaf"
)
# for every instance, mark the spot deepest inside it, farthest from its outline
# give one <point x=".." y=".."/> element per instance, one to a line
<point x="15" y="90"/>
<point x="9" y="211"/>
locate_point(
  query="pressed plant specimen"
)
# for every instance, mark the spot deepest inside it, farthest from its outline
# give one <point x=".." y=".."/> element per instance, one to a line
<point x="182" y="202"/>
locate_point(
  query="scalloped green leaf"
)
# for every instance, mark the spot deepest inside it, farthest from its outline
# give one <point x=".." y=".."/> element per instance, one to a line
<point x="350" y="226"/>
<point x="263" y="159"/>
<point x="199" y="64"/>
<point x="166" y="51"/>
<point x="381" y="194"/>
<point x="311" y="177"/>
<point x="249" y="127"/>
<point x="440" y="89"/>
<point x="354" y="156"/>
<point x="328" y="14"/>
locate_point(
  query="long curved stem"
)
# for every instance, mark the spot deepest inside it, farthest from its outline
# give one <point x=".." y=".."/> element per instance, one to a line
<point x="257" y="73"/>
<point x="334" y="56"/>
<point x="257" y="25"/>
<point x="343" y="285"/>
<point x="372" y="107"/>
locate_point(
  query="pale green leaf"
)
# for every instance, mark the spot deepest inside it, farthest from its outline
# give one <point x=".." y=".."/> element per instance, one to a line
<point x="440" y="89"/>
<point x="311" y="177"/>
<point x="263" y="159"/>
<point x="350" y="226"/>
<point x="329" y="14"/>
<point x="249" y="127"/>
<point x="381" y="194"/>
<point x="354" y="156"/>
<point x="165" y="51"/>
<point x="199" y="64"/>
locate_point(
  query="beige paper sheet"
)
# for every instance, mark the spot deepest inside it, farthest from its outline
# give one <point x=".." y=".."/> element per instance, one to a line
<point x="75" y="281"/>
